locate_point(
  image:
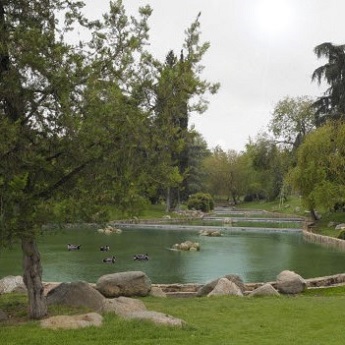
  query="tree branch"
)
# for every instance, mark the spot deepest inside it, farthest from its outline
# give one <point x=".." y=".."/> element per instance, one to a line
<point x="47" y="193"/>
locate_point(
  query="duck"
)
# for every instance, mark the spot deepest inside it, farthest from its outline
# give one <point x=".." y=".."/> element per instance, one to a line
<point x="141" y="257"/>
<point x="104" y="248"/>
<point x="110" y="260"/>
<point x="73" y="246"/>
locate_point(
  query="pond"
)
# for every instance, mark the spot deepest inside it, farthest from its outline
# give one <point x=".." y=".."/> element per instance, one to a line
<point x="255" y="256"/>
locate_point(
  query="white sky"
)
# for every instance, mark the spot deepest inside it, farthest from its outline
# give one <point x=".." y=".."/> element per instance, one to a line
<point x="261" y="51"/>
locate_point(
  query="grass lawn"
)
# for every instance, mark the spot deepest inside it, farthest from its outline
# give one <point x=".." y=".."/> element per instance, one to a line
<point x="305" y="319"/>
<point x="258" y="224"/>
<point x="291" y="205"/>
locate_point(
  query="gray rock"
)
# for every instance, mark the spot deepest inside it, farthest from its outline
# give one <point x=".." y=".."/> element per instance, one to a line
<point x="187" y="246"/>
<point x="210" y="233"/>
<point x="72" y="321"/>
<point x="225" y="287"/>
<point x="128" y="284"/>
<point x="122" y="305"/>
<point x="130" y="308"/>
<point x="207" y="288"/>
<point x="289" y="282"/>
<point x="157" y="292"/>
<point x="12" y="284"/>
<point x="157" y="318"/>
<point x="264" y="290"/>
<point x="340" y="227"/>
<point x="76" y="294"/>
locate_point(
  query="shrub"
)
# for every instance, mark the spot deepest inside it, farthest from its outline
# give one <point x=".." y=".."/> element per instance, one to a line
<point x="201" y="201"/>
<point x="254" y="197"/>
<point x="341" y="235"/>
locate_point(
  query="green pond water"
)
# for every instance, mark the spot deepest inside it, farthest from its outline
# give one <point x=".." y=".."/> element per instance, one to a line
<point x="255" y="256"/>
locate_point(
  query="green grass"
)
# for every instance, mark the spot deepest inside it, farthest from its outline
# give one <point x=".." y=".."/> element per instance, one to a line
<point x="292" y="205"/>
<point x="323" y="227"/>
<point x="218" y="320"/>
<point x="258" y="224"/>
<point x="328" y="291"/>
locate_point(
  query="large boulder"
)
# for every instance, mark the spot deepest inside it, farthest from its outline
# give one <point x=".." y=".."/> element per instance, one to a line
<point x="128" y="284"/>
<point x="122" y="305"/>
<point x="130" y="308"/>
<point x="289" y="282"/>
<point x="72" y="321"/>
<point x="12" y="284"/>
<point x="264" y="290"/>
<point x="76" y="294"/>
<point x="156" y="317"/>
<point x="207" y="288"/>
<point x="225" y="287"/>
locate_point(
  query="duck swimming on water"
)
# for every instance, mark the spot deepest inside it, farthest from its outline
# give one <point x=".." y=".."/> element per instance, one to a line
<point x="73" y="246"/>
<point x="141" y="257"/>
<point x="110" y="260"/>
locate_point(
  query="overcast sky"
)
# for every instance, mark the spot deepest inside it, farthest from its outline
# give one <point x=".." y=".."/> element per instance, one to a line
<point x="261" y="51"/>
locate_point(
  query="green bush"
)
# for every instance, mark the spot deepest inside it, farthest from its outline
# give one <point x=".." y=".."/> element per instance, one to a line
<point x="201" y="201"/>
<point x="341" y="235"/>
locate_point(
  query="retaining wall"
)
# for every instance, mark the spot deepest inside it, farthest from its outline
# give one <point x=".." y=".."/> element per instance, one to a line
<point x="324" y="240"/>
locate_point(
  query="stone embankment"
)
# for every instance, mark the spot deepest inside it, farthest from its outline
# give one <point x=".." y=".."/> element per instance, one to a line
<point x="324" y="240"/>
<point x="185" y="290"/>
<point x="189" y="290"/>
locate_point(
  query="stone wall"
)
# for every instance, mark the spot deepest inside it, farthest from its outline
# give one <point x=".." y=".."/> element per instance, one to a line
<point x="324" y="240"/>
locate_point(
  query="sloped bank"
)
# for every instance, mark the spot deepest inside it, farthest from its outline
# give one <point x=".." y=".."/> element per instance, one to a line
<point x="326" y="241"/>
<point x="16" y="284"/>
<point x="185" y="290"/>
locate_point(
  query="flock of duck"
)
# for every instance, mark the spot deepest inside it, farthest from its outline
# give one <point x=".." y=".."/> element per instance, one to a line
<point x="106" y="248"/>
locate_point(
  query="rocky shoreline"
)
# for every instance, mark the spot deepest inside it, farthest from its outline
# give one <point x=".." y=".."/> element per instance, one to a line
<point x="319" y="282"/>
<point x="191" y="289"/>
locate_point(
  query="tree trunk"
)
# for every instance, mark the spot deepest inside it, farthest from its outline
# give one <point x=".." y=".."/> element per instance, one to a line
<point x="33" y="279"/>
<point x="172" y="201"/>
<point x="168" y="201"/>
